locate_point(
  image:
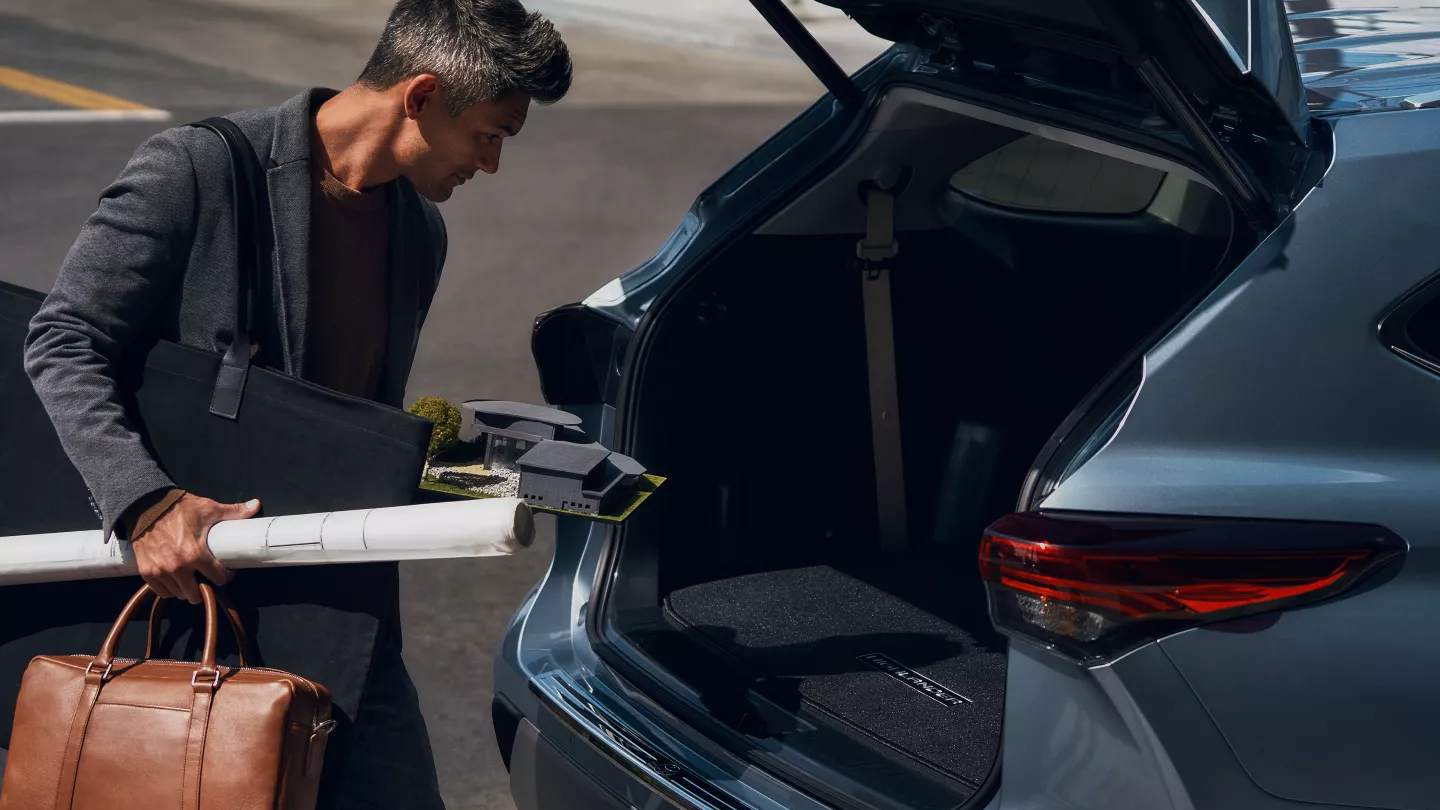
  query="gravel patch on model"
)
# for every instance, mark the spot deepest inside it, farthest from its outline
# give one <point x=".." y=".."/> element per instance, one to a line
<point x="475" y="478"/>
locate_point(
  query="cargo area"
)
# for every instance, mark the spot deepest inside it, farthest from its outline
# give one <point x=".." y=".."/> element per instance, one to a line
<point x="1027" y="268"/>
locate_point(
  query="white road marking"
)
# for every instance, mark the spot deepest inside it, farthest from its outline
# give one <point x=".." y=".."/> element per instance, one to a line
<point x="79" y="116"/>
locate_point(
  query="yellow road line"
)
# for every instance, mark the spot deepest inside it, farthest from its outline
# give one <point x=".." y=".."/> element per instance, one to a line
<point x="62" y="93"/>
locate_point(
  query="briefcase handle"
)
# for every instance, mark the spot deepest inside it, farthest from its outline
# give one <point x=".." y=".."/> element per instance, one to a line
<point x="242" y="639"/>
<point x="206" y="669"/>
<point x="250" y="200"/>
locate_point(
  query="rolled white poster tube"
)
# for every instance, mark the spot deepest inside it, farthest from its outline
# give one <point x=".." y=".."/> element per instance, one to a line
<point x="474" y="528"/>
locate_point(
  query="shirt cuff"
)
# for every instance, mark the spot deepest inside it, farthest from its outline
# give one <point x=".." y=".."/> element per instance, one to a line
<point x="143" y="514"/>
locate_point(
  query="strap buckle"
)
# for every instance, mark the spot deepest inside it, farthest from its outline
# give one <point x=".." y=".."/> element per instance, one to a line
<point x="879" y="242"/>
<point x="104" y="675"/>
<point x="194" y="677"/>
<point x="878" y="245"/>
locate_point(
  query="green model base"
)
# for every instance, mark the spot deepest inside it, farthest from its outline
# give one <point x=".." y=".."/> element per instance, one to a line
<point x="627" y="504"/>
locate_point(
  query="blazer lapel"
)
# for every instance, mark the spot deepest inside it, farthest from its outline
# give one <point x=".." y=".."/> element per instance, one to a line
<point x="289" y="182"/>
<point x="404" y="297"/>
<point x="290" y="202"/>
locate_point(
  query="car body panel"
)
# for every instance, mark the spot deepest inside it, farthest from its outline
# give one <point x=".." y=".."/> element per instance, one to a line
<point x="1276" y="398"/>
<point x="1321" y="674"/>
<point x="1299" y="429"/>
<point x="546" y="772"/>
<point x="1129" y="735"/>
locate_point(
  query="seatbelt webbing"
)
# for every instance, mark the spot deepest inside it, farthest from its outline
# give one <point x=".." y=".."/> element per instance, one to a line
<point x="875" y="250"/>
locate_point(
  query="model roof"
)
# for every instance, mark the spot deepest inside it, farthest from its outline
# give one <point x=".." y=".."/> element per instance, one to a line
<point x="565" y="457"/>
<point x="626" y="465"/>
<point x="523" y="410"/>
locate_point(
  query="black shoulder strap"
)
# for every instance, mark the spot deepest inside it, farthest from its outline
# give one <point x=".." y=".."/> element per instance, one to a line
<point x="251" y="200"/>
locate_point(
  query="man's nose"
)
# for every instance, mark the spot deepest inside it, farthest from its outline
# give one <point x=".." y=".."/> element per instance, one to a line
<point x="489" y="163"/>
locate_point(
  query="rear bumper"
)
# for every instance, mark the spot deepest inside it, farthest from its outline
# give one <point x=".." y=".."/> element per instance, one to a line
<point x="586" y="747"/>
<point x="543" y="777"/>
<point x="546" y="774"/>
<point x="586" y="757"/>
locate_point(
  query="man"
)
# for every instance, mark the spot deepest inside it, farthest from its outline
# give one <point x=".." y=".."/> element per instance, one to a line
<point x="353" y="176"/>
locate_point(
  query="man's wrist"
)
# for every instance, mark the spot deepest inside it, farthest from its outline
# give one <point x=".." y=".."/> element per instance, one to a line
<point x="145" y="512"/>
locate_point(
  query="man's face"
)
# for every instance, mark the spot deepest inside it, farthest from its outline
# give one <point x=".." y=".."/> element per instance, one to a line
<point x="448" y="150"/>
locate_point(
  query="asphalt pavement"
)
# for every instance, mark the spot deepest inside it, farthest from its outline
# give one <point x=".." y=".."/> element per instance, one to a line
<point x="591" y="187"/>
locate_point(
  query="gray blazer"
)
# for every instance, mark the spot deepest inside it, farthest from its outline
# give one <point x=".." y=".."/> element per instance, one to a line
<point x="157" y="258"/>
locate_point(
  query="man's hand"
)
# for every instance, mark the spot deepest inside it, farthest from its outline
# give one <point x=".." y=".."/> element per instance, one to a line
<point x="173" y="550"/>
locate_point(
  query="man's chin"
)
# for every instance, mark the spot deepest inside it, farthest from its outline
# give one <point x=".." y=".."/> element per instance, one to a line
<point x="436" y="192"/>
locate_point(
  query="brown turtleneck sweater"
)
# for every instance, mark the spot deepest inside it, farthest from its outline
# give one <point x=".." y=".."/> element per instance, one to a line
<point x="349" y="316"/>
<point x="349" y="320"/>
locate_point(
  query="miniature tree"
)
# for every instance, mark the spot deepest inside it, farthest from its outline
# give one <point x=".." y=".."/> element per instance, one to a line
<point x="447" y="422"/>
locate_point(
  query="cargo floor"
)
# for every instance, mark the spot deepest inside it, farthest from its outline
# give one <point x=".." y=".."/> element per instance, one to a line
<point x="867" y="650"/>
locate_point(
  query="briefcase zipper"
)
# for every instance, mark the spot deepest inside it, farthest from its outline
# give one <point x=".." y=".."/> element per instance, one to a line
<point x="314" y="707"/>
<point x="315" y="723"/>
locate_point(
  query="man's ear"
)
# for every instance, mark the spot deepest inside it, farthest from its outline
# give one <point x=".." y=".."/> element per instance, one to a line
<point x="420" y="92"/>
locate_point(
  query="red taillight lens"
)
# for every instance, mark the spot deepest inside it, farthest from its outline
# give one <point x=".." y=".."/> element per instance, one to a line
<point x="1095" y="586"/>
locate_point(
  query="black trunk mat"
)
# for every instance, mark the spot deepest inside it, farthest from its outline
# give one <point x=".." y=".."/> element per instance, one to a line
<point x="814" y="634"/>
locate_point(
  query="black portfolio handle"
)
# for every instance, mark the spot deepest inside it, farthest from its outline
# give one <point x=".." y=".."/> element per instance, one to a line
<point x="251" y="200"/>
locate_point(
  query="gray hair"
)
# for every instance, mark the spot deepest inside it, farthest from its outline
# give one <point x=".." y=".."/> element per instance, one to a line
<point x="481" y="50"/>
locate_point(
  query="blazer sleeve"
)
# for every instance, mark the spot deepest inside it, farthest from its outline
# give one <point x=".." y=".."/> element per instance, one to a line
<point x="123" y="265"/>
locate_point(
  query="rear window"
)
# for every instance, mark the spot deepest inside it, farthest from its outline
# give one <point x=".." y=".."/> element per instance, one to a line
<point x="1038" y="174"/>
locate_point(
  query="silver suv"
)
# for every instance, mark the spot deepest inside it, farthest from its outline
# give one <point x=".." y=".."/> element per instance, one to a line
<point x="1050" y="419"/>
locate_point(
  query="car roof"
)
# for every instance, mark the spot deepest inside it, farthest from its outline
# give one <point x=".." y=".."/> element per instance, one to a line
<point x="1358" y="56"/>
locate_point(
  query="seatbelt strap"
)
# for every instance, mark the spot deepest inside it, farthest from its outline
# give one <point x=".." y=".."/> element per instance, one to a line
<point x="875" y="251"/>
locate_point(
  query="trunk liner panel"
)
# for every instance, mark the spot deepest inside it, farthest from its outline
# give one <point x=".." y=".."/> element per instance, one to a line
<point x="802" y="633"/>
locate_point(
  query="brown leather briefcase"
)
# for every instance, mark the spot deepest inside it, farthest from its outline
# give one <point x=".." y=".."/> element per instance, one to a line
<point x="119" y="734"/>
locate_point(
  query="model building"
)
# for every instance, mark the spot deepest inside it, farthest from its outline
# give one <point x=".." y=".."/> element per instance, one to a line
<point x="508" y="430"/>
<point x="576" y="477"/>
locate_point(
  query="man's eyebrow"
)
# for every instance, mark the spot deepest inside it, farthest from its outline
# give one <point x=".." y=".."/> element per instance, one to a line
<point x="509" y="130"/>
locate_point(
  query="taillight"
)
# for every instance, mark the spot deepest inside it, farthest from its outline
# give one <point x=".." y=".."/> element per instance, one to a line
<point x="1096" y="586"/>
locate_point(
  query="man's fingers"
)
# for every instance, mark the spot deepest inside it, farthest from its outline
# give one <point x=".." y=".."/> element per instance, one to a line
<point x="186" y="586"/>
<point x="157" y="579"/>
<point x="212" y="569"/>
<point x="159" y="586"/>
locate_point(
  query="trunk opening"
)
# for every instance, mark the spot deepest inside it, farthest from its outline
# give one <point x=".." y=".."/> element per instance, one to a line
<point x="757" y="592"/>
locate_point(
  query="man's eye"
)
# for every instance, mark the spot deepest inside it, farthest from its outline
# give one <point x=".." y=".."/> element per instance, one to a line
<point x="491" y="138"/>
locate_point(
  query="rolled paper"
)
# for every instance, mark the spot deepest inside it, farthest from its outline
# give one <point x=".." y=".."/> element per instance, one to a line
<point x="488" y="527"/>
